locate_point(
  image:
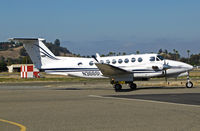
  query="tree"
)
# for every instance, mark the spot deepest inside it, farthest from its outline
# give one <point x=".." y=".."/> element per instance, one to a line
<point x="26" y="60"/>
<point x="195" y="59"/>
<point x="137" y="52"/>
<point x="3" y="65"/>
<point x="174" y="50"/>
<point x="119" y="53"/>
<point x="165" y="51"/>
<point x="56" y="50"/>
<point x="188" y="52"/>
<point x="177" y="55"/>
<point x="57" y="42"/>
<point x="160" y="51"/>
<point x="110" y="54"/>
<point x="23" y="52"/>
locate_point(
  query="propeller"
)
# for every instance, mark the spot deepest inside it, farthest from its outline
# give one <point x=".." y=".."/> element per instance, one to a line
<point x="166" y="66"/>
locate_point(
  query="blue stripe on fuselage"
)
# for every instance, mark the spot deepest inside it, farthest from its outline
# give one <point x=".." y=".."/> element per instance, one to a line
<point x="90" y="69"/>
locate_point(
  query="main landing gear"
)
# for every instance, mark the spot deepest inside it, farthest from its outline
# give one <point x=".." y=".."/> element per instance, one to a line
<point x="189" y="84"/>
<point x="133" y="86"/>
<point x="117" y="85"/>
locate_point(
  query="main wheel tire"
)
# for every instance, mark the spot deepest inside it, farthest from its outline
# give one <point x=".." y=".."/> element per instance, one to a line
<point x="189" y="84"/>
<point x="118" y="87"/>
<point x="133" y="86"/>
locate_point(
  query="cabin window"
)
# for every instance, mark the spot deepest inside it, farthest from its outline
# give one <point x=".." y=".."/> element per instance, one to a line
<point x="152" y="58"/>
<point x="107" y="61"/>
<point x="80" y="63"/>
<point x="91" y="63"/>
<point x="101" y="61"/>
<point x="139" y="59"/>
<point x="126" y="60"/>
<point x="159" y="57"/>
<point x="114" y="61"/>
<point x="120" y="61"/>
<point x="133" y="59"/>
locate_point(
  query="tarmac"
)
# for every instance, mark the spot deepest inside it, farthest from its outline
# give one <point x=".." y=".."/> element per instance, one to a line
<point x="85" y="106"/>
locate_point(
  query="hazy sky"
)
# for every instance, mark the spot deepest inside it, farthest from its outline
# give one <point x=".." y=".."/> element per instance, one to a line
<point x="89" y="26"/>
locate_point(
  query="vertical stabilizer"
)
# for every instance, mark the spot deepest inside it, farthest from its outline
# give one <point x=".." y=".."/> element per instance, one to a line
<point x="38" y="52"/>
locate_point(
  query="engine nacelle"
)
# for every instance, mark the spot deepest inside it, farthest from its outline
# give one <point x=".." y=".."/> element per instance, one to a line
<point x="157" y="67"/>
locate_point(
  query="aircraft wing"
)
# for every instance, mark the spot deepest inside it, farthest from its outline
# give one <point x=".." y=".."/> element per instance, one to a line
<point x="115" y="72"/>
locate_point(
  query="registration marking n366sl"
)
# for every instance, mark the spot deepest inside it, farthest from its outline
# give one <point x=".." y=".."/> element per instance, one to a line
<point x="91" y="73"/>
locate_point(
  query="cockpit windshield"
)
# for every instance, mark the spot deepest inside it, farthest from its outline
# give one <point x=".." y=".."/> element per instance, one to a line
<point x="159" y="57"/>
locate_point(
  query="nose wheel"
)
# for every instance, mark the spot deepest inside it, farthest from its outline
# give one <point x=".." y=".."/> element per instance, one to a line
<point x="189" y="84"/>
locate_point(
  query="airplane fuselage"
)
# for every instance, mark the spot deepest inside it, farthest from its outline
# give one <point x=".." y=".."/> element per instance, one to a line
<point x="141" y="65"/>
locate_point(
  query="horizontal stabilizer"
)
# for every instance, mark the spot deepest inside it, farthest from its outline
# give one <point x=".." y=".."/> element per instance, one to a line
<point x="25" y="40"/>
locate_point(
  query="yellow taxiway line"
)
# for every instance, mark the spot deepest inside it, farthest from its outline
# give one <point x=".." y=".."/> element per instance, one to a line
<point x="22" y="128"/>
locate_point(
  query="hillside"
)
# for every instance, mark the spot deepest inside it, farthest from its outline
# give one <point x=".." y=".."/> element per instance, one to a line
<point x="13" y="53"/>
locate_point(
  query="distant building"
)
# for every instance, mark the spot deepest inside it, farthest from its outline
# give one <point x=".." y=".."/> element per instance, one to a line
<point x="16" y="67"/>
<point x="27" y="70"/>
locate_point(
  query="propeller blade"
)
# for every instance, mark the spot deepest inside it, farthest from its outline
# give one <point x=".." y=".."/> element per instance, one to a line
<point x="166" y="75"/>
<point x="166" y="66"/>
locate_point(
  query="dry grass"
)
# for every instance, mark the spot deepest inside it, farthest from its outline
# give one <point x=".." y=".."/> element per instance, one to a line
<point x="15" y="77"/>
<point x="14" y="53"/>
<point x="170" y="83"/>
<point x="195" y="73"/>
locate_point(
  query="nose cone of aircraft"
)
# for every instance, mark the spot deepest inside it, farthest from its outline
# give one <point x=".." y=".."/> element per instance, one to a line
<point x="188" y="66"/>
<point x="185" y="66"/>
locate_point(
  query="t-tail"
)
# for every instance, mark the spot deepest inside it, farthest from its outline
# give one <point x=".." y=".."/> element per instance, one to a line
<point x="38" y="52"/>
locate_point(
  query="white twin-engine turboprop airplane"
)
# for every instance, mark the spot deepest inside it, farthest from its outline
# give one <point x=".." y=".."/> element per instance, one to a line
<point x="120" y="69"/>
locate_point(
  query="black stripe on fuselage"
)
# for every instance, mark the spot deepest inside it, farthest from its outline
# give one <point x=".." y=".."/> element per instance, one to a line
<point x="51" y="57"/>
<point x="88" y="69"/>
<point x="70" y="69"/>
<point x="47" y="54"/>
<point x="145" y="70"/>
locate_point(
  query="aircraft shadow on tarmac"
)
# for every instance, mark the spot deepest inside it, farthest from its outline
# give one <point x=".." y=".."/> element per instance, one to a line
<point x="122" y="90"/>
<point x="180" y="98"/>
<point x="149" y="88"/>
<point x="82" y="89"/>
